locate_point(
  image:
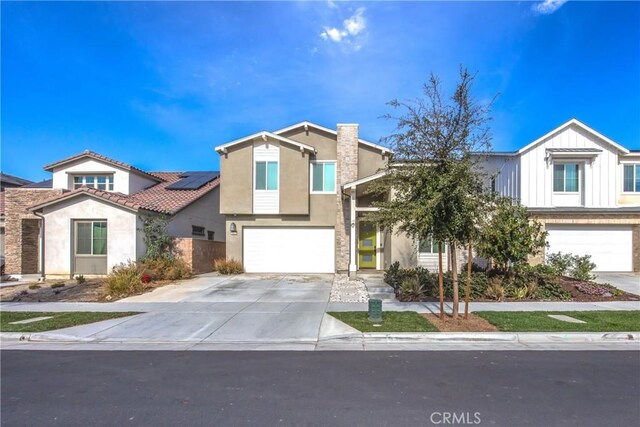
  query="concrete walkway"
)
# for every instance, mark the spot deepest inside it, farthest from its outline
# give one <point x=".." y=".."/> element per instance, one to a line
<point x="628" y="282"/>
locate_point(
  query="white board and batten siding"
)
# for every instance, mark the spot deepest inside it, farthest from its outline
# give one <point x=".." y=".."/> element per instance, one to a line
<point x="610" y="246"/>
<point x="266" y="201"/>
<point x="600" y="175"/>
<point x="289" y="249"/>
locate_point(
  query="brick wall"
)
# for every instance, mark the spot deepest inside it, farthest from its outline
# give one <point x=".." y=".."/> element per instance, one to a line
<point x="22" y="228"/>
<point x="347" y="171"/>
<point x="199" y="254"/>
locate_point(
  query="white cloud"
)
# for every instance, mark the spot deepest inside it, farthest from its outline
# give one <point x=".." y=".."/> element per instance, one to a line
<point x="351" y="28"/>
<point x="547" y="7"/>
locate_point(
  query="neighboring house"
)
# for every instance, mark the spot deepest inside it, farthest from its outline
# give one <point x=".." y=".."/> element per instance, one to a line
<point x="87" y="218"/>
<point x="585" y="189"/>
<point x="7" y="181"/>
<point x="283" y="194"/>
<point x="295" y="199"/>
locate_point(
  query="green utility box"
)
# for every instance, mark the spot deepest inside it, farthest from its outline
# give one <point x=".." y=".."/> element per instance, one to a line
<point x="375" y="311"/>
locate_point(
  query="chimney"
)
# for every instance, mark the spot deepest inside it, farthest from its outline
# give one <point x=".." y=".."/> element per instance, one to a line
<point x="346" y="171"/>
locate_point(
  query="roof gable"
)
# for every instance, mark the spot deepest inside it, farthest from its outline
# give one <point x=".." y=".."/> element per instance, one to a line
<point x="307" y="124"/>
<point x="580" y="125"/>
<point x="265" y="135"/>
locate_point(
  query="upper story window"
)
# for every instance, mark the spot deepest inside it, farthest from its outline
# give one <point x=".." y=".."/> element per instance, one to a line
<point x="323" y="177"/>
<point x="266" y="176"/>
<point x="197" y="230"/>
<point x="101" y="182"/>
<point x="631" y="179"/>
<point x="566" y="178"/>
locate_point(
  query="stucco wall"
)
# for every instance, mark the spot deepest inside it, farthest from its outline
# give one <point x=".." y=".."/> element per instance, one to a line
<point x="203" y="213"/>
<point x="121" y="232"/>
<point x="370" y="160"/>
<point x="294" y="181"/>
<point x="236" y="179"/>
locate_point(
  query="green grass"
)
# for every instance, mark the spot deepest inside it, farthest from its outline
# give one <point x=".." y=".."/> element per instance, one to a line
<point x="538" y="321"/>
<point x="58" y="321"/>
<point x="392" y="321"/>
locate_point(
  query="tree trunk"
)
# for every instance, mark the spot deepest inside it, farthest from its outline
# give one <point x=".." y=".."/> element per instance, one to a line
<point x="441" y="281"/>
<point x="454" y="274"/>
<point x="468" y="290"/>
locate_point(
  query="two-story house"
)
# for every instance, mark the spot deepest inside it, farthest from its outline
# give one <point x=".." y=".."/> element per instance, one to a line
<point x="295" y="199"/>
<point x="88" y="217"/>
<point x="584" y="187"/>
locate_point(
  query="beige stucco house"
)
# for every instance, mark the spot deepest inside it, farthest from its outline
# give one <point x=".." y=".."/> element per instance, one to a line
<point x="295" y="199"/>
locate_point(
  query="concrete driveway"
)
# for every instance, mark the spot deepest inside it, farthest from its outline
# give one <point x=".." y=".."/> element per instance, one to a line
<point x="628" y="282"/>
<point x="221" y="309"/>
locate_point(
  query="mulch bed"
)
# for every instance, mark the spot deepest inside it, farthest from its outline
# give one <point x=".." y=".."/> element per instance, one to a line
<point x="93" y="290"/>
<point x="569" y="285"/>
<point x="472" y="324"/>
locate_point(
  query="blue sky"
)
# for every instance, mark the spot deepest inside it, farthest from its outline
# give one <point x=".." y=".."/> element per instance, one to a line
<point x="158" y="85"/>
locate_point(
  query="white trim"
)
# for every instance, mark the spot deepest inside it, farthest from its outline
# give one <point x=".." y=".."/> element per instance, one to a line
<point x="364" y="180"/>
<point x="264" y="134"/>
<point x="353" y="247"/>
<point x="580" y="125"/>
<point x="335" y="176"/>
<point x="367" y="209"/>
<point x="306" y="124"/>
<point x="379" y="248"/>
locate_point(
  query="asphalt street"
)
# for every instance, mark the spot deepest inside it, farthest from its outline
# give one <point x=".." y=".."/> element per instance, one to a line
<point x="556" y="388"/>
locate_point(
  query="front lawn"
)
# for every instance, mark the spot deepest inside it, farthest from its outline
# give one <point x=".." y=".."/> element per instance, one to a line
<point x="392" y="321"/>
<point x="58" y="320"/>
<point x="539" y="321"/>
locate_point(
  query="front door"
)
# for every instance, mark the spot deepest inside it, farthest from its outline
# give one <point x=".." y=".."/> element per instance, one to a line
<point x="366" y="244"/>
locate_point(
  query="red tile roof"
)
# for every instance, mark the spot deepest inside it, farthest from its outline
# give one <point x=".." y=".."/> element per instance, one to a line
<point x="99" y="157"/>
<point x="155" y="198"/>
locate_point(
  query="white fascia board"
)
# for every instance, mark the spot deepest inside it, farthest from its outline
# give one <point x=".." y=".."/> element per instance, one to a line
<point x="264" y="134"/>
<point x="333" y="132"/>
<point x="364" y="180"/>
<point x="581" y="125"/>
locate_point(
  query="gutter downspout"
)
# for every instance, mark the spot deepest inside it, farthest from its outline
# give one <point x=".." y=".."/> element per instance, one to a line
<point x="41" y="241"/>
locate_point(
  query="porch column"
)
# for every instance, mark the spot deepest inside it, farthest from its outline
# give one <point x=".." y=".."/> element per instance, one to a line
<point x="353" y="252"/>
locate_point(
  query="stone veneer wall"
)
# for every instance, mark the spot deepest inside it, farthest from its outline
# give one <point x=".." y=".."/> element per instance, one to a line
<point x="596" y="218"/>
<point x="22" y="228"/>
<point x="347" y="171"/>
<point x="199" y="254"/>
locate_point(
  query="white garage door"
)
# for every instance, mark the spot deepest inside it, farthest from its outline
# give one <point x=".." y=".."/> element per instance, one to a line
<point x="610" y="246"/>
<point x="289" y="250"/>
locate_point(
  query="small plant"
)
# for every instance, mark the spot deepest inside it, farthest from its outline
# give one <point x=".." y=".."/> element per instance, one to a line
<point x="145" y="278"/>
<point x="165" y="268"/>
<point x="559" y="262"/>
<point x="532" y="290"/>
<point x="411" y="289"/>
<point x="521" y="293"/>
<point x="582" y="268"/>
<point x="80" y="279"/>
<point x="34" y="286"/>
<point x="228" y="266"/>
<point x="57" y="285"/>
<point x="125" y="279"/>
<point x="598" y="289"/>
<point x="495" y="291"/>
<point x="391" y="275"/>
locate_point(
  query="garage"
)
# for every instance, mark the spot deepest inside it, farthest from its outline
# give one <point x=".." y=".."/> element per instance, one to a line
<point x="289" y="249"/>
<point x="610" y="246"/>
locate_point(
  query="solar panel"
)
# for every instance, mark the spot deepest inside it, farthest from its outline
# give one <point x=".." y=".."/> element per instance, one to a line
<point x="193" y="180"/>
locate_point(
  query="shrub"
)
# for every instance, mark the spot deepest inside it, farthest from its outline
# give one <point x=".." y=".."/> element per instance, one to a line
<point x="559" y="262"/>
<point x="392" y="275"/>
<point x="411" y="290"/>
<point x="495" y="290"/>
<point x="165" y="268"/>
<point x="34" y="286"/>
<point x="598" y="289"/>
<point x="57" y="285"/>
<point x="479" y="284"/>
<point x="228" y="266"/>
<point x="145" y="278"/>
<point x="156" y="237"/>
<point x="125" y="279"/>
<point x="582" y="268"/>
<point x="80" y="279"/>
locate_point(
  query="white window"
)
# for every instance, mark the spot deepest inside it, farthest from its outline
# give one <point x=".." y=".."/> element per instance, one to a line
<point x="101" y="182"/>
<point x="266" y="176"/>
<point x="566" y="178"/>
<point x="429" y="246"/>
<point x="631" y="178"/>
<point x="91" y="237"/>
<point x="323" y="177"/>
